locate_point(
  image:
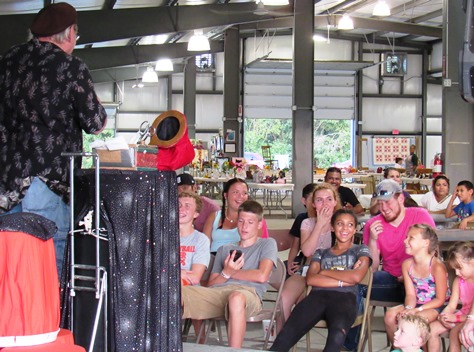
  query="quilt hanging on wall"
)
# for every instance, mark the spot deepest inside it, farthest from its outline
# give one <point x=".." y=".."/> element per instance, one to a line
<point x="386" y="149"/>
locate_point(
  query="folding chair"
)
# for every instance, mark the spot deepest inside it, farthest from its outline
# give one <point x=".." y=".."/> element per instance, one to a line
<point x="362" y="319"/>
<point x="275" y="283"/>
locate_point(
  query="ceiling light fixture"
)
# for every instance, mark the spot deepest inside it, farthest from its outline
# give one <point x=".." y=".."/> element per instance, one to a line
<point x="345" y="22"/>
<point x="150" y="76"/>
<point x="319" y="38"/>
<point x="164" y="65"/>
<point x="275" y="2"/>
<point x="198" y="42"/>
<point x="381" y="9"/>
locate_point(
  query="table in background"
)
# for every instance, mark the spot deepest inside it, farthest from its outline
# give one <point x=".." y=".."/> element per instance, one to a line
<point x="425" y="183"/>
<point x="447" y="237"/>
<point x="355" y="187"/>
<point x="273" y="195"/>
<point x="364" y="200"/>
<point x="211" y="187"/>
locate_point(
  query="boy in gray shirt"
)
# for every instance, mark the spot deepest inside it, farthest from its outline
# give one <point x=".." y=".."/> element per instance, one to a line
<point x="238" y="278"/>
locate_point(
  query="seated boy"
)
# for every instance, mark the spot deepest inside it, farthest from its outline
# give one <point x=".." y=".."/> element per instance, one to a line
<point x="236" y="284"/>
<point x="412" y="334"/>
<point x="194" y="245"/>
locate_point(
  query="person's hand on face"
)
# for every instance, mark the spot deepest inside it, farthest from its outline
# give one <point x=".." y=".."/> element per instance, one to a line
<point x="376" y="228"/>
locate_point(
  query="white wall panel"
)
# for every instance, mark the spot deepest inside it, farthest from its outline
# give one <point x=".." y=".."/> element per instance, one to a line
<point x="437" y="57"/>
<point x="391" y="113"/>
<point x="282" y="48"/>
<point x="152" y="97"/>
<point x="434" y="125"/>
<point x="126" y="120"/>
<point x="435" y="100"/>
<point x="105" y="91"/>
<point x="209" y="111"/>
<point x="433" y="146"/>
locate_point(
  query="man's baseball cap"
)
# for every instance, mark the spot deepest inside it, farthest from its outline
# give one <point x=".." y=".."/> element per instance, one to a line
<point x="386" y="189"/>
<point x="185" y="179"/>
<point x="53" y="19"/>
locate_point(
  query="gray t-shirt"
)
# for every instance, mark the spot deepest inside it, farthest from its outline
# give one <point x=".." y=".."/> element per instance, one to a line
<point x="264" y="248"/>
<point x="194" y="249"/>
<point x="345" y="261"/>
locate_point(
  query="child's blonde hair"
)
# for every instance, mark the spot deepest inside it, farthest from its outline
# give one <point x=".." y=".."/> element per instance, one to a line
<point x="465" y="250"/>
<point x="421" y="324"/>
<point x="428" y="233"/>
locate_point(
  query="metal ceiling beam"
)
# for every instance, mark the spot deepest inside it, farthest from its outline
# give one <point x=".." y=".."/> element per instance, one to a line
<point x="106" y="25"/>
<point x="101" y="58"/>
<point x="408" y="6"/>
<point x="427" y="17"/>
<point x="359" y="23"/>
<point x="118" y="74"/>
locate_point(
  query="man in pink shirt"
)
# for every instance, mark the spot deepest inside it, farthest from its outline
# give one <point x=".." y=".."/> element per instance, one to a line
<point x="384" y="235"/>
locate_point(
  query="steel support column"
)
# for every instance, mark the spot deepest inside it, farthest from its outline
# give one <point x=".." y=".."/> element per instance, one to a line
<point x="458" y="119"/>
<point x="231" y="93"/>
<point x="190" y="95"/>
<point x="303" y="99"/>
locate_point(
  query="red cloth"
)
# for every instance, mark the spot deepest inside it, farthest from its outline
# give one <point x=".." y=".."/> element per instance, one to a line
<point x="64" y="343"/>
<point x="177" y="156"/>
<point x="29" y="287"/>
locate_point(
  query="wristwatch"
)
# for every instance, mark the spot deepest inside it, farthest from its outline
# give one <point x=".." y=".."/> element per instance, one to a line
<point x="420" y="308"/>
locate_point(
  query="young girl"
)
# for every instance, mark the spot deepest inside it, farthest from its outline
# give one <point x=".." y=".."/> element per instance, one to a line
<point x="333" y="274"/>
<point x="413" y="332"/>
<point x="315" y="234"/>
<point x="424" y="276"/>
<point x="461" y="259"/>
<point x="221" y="226"/>
<point x="465" y="209"/>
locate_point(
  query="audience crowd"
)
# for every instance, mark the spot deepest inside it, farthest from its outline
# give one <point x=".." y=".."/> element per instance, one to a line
<point x="399" y="243"/>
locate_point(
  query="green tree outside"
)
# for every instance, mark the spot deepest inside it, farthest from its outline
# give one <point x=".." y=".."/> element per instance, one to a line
<point x="332" y="139"/>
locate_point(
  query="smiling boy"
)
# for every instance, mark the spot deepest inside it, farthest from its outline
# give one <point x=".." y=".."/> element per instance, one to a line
<point x="236" y="286"/>
<point x="194" y="246"/>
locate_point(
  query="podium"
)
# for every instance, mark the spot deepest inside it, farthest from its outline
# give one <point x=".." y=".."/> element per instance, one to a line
<point x="139" y="211"/>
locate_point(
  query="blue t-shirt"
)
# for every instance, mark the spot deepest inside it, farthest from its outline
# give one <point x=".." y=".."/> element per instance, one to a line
<point x="464" y="210"/>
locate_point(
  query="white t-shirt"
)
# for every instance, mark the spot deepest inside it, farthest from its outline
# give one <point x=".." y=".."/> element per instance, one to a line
<point x="429" y="202"/>
<point x="194" y="249"/>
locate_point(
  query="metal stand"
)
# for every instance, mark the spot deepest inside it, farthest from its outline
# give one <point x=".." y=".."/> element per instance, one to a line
<point x="98" y="275"/>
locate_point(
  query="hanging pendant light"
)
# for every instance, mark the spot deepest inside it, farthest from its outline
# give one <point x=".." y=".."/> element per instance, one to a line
<point x="150" y="76"/>
<point x="345" y="22"/>
<point x="198" y="42"/>
<point x="164" y="65"/>
<point x="381" y="9"/>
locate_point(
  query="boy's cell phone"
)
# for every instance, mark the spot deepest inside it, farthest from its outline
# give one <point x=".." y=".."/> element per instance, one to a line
<point x="238" y="254"/>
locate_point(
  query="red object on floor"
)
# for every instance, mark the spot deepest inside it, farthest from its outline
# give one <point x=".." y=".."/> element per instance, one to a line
<point x="29" y="293"/>
<point x="29" y="288"/>
<point x="64" y="343"/>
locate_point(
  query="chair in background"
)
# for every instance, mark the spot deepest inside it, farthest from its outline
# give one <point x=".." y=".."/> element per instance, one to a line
<point x="373" y="304"/>
<point x="267" y="157"/>
<point x="362" y="318"/>
<point x="370" y="182"/>
<point x="275" y="283"/>
<point x="282" y="238"/>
